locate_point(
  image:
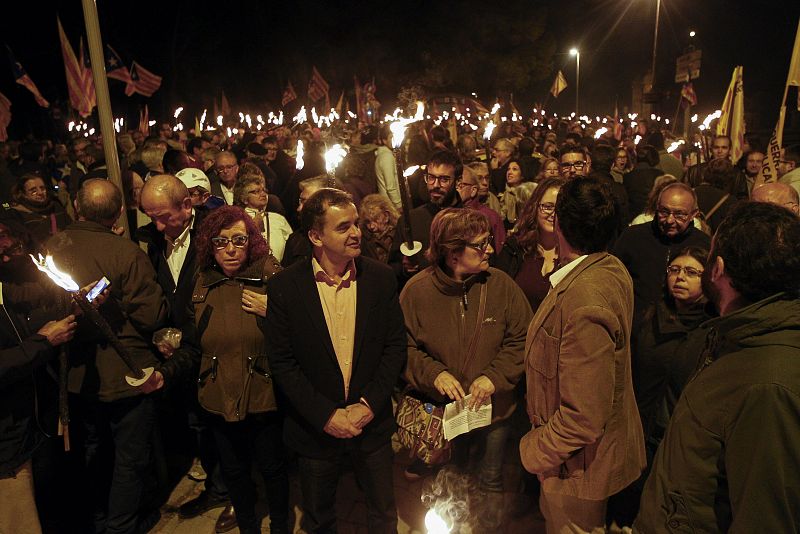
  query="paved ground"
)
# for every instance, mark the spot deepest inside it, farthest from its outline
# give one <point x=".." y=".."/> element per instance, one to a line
<point x="521" y="513"/>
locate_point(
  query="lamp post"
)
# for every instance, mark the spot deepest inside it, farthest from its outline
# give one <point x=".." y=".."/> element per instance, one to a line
<point x="655" y="47"/>
<point x="575" y="52"/>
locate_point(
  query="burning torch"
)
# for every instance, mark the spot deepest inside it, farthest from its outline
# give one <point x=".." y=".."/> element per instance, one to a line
<point x="408" y="247"/>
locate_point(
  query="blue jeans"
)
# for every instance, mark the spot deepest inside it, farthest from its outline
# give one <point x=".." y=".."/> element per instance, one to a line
<point x="256" y="439"/>
<point x="320" y="477"/>
<point x="491" y="444"/>
<point x="117" y="456"/>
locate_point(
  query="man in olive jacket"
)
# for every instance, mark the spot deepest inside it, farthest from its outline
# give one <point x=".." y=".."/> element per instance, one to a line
<point x="586" y="439"/>
<point x="114" y="414"/>
<point x="729" y="460"/>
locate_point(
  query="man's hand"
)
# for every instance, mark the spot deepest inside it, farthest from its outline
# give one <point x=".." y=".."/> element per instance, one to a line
<point x="359" y="415"/>
<point x="58" y="332"/>
<point x="446" y="384"/>
<point x="154" y="383"/>
<point x="481" y="390"/>
<point x="339" y="426"/>
<point x="410" y="265"/>
<point x="254" y="303"/>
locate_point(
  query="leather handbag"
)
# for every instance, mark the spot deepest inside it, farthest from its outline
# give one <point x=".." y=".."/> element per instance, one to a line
<point x="420" y="428"/>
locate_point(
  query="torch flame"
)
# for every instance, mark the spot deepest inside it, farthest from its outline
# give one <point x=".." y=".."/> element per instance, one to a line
<point x="48" y="267"/>
<point x="398" y="127"/>
<point x="333" y="157"/>
<point x="411" y="170"/>
<point x="301" y="116"/>
<point x="435" y="524"/>
<point x="177" y="112"/>
<point x="300" y="153"/>
<point x="487" y="133"/>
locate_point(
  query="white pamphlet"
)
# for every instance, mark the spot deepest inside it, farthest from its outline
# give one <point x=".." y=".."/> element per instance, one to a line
<point x="458" y="419"/>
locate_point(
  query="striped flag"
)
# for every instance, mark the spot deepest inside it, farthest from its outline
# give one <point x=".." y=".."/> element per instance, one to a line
<point x="87" y="80"/>
<point x="74" y="75"/>
<point x="22" y="78"/>
<point x="688" y="94"/>
<point x="142" y="81"/>
<point x="144" y="121"/>
<point x="115" y="68"/>
<point x="317" y="86"/>
<point x="289" y="94"/>
<point x="559" y="84"/>
<point x="731" y="122"/>
<point x="5" y="116"/>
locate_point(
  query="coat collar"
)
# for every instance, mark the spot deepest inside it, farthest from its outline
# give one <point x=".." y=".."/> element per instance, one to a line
<point x="252" y="273"/>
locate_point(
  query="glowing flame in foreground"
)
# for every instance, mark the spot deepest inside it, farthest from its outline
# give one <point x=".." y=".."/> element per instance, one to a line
<point x="435" y="524"/>
<point x="487" y="133"/>
<point x="411" y="170"/>
<point x="48" y="267"/>
<point x="333" y="157"/>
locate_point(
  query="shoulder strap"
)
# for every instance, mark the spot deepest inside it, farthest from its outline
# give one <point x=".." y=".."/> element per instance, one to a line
<point x="473" y="343"/>
<point x="719" y="203"/>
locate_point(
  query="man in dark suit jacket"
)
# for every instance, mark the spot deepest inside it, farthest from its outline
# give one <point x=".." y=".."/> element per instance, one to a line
<point x="336" y="346"/>
<point x="171" y="248"/>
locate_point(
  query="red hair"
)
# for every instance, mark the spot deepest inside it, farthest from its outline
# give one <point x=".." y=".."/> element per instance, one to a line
<point x="225" y="217"/>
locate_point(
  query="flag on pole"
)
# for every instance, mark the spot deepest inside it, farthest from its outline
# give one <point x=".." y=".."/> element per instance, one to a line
<point x="115" y="68"/>
<point x="22" y="78"/>
<point x="731" y="122"/>
<point x="87" y="80"/>
<point x="559" y="84"/>
<point x="317" y="86"/>
<point x="5" y="116"/>
<point x="339" y="104"/>
<point x="794" y="65"/>
<point x="475" y="105"/>
<point x="74" y="73"/>
<point x="688" y="95"/>
<point x="289" y="94"/>
<point x="144" y="121"/>
<point x="769" y="169"/>
<point x="142" y="81"/>
<point x="359" y="99"/>
<point x="224" y="106"/>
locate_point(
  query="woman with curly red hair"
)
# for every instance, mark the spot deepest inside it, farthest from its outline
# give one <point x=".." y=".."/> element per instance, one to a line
<point x="235" y="384"/>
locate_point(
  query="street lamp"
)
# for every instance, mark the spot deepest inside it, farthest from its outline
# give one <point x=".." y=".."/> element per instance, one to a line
<point x="575" y="52"/>
<point x="655" y="46"/>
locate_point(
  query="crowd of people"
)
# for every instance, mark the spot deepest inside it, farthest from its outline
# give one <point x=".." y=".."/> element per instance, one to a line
<point x="631" y="318"/>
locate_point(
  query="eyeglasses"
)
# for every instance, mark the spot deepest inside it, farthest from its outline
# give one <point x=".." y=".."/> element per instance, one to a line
<point x="226" y="168"/>
<point x="239" y="241"/>
<point x="577" y="165"/>
<point x="680" y="216"/>
<point x="462" y="184"/>
<point x="444" y="180"/>
<point x="548" y="208"/>
<point x="482" y="246"/>
<point x="256" y="191"/>
<point x="691" y="272"/>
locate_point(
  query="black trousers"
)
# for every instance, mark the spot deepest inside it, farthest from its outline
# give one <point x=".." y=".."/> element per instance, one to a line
<point x="256" y="439"/>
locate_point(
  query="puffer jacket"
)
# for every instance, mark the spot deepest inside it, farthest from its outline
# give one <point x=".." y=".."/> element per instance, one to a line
<point x="235" y="379"/>
<point x="729" y="460"/>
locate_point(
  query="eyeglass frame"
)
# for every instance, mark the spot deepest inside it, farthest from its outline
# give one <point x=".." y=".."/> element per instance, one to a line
<point x="691" y="272"/>
<point x="577" y="165"/>
<point x="215" y="241"/>
<point x="481" y="247"/>
<point x="444" y="181"/>
<point x="548" y="208"/>
<point x="226" y="167"/>
<point x="678" y="216"/>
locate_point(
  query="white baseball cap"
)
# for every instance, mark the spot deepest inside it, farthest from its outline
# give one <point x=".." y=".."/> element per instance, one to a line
<point x="192" y="177"/>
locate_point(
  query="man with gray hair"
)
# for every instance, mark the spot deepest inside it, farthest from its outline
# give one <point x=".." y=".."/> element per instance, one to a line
<point x="778" y="193"/>
<point x="118" y="419"/>
<point x="646" y="249"/>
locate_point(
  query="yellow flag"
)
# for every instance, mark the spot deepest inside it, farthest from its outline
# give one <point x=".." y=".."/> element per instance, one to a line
<point x="339" y="103"/>
<point x="794" y="65"/>
<point x="559" y="84"/>
<point x="731" y="122"/>
<point x="197" y="131"/>
<point x="769" y="171"/>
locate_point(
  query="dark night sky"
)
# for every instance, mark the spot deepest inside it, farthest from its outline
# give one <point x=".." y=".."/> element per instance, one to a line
<point x="249" y="49"/>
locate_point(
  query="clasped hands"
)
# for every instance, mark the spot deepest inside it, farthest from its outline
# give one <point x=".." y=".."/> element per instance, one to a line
<point x="348" y="422"/>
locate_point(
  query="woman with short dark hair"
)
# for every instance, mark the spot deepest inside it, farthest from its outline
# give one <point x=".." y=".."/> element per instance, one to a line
<point x="466" y="326"/>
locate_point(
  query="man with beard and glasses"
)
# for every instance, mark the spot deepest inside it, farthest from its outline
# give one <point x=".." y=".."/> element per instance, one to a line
<point x="43" y="215"/>
<point x="729" y="461"/>
<point x="646" y="249"/>
<point x="443" y="171"/>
